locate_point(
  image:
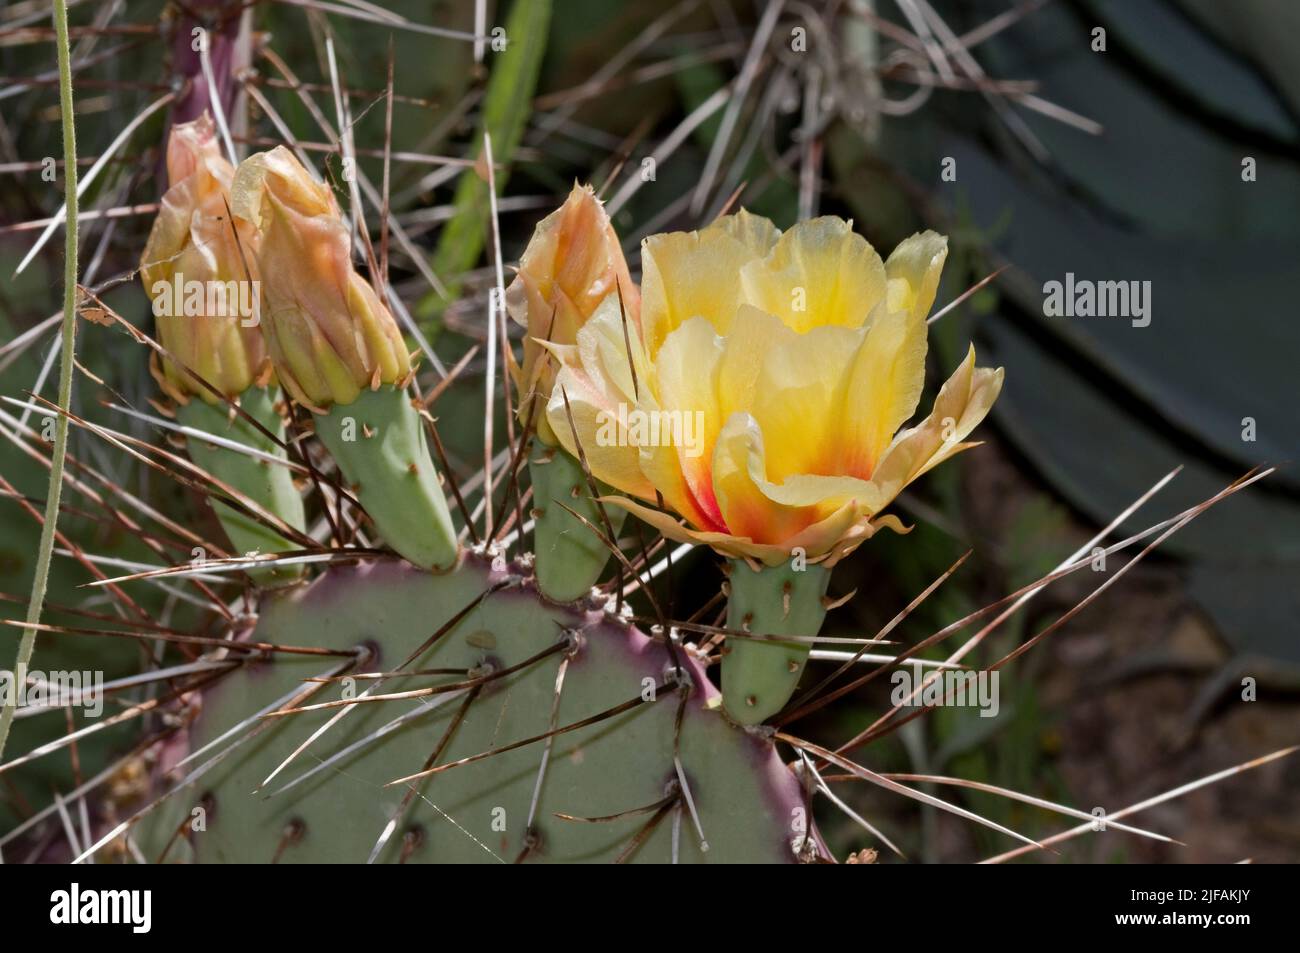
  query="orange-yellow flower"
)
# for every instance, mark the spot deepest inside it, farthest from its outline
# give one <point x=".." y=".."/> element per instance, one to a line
<point x="328" y="333"/>
<point x="195" y="274"/>
<point x="773" y="373"/>
<point x="572" y="264"/>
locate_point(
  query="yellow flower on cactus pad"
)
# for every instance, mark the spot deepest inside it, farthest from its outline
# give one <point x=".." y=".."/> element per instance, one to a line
<point x="329" y="334"/>
<point x="199" y="271"/>
<point x="772" y="381"/>
<point x="572" y="263"/>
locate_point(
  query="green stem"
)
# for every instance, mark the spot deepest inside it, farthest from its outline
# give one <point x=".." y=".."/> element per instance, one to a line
<point x="28" y="642"/>
<point x="760" y="675"/>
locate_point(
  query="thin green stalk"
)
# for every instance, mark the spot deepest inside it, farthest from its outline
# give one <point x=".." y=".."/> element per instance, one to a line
<point x="28" y="642"/>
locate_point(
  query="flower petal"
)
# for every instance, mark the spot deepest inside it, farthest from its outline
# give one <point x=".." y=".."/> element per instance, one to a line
<point x="686" y="394"/>
<point x="963" y="401"/>
<point x="885" y="383"/>
<point x="739" y="473"/>
<point x="697" y="274"/>
<point x="819" y="273"/>
<point x="596" y="377"/>
<point x="914" y="268"/>
<point x="825" y="542"/>
<point x="800" y="388"/>
<point x="755" y="232"/>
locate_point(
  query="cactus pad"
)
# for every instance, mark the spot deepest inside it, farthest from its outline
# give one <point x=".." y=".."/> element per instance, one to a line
<point x="749" y="804"/>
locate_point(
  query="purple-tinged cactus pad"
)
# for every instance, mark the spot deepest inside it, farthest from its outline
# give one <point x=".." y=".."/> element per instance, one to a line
<point x="750" y="805"/>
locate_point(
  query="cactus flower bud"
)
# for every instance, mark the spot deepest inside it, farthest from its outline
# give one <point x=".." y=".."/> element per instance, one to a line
<point x="329" y="335"/>
<point x="572" y="263"/>
<point x="338" y="351"/>
<point x="198" y="270"/>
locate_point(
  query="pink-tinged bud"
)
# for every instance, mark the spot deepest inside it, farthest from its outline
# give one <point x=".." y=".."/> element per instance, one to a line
<point x="198" y="268"/>
<point x="573" y="262"/>
<point x="329" y="335"/>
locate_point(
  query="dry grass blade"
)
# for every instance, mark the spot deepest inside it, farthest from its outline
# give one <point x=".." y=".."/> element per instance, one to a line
<point x="134" y="711"/>
<point x="1027" y="799"/>
<point x="1149" y="802"/>
<point x="825" y="788"/>
<point x="868" y="775"/>
<point x="1016" y="605"/>
<point x="644" y="833"/>
<point x="185" y="782"/>
<point x="631" y="812"/>
<point x="185" y="639"/>
<point x="965" y="295"/>
<point x="748" y="70"/>
<point x="424" y="646"/>
<point x="550" y="742"/>
<point x="425" y="707"/>
<point x="1167" y="528"/>
<point x="110" y="771"/>
<point x="90" y="176"/>
<point x="802" y="706"/>
<point x="413" y="790"/>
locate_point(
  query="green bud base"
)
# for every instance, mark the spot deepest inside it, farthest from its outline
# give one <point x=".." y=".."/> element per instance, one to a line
<point x="267" y="484"/>
<point x="570" y="558"/>
<point x="760" y="675"/>
<point x="379" y="444"/>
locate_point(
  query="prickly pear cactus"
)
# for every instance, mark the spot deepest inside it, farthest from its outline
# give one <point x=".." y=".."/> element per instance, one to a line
<point x="563" y="733"/>
<point x="377" y="675"/>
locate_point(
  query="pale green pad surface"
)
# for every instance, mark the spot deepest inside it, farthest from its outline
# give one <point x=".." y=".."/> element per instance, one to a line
<point x="750" y="803"/>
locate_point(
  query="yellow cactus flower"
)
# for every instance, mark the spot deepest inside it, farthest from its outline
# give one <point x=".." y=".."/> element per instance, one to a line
<point x="204" y="297"/>
<point x="573" y="262"/>
<point x="329" y="335"/>
<point x="771" y="380"/>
